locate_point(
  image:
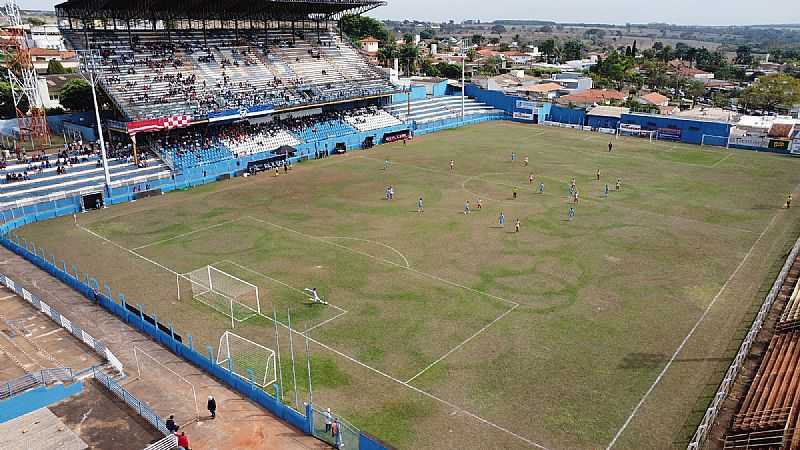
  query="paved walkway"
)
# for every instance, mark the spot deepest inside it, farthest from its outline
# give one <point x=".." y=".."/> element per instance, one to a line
<point x="240" y="424"/>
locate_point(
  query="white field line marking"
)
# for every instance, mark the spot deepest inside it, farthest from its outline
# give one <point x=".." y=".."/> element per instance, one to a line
<point x="54" y="331"/>
<point x="689" y="335"/>
<point x="462" y="344"/>
<point x="386" y="261"/>
<point x="350" y="358"/>
<point x="721" y="160"/>
<point x="398" y="252"/>
<point x="103" y="238"/>
<point x="324" y="322"/>
<point x="8" y="296"/>
<point x="189" y="233"/>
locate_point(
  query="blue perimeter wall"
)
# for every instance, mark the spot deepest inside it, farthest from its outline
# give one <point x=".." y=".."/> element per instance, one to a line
<point x="692" y="131"/>
<point x="602" y="122"/>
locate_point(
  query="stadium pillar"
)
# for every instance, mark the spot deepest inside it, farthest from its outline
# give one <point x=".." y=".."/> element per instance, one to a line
<point x="135" y="150"/>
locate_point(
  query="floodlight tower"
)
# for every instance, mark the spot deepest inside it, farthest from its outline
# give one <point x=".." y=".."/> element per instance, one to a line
<point x="31" y="118"/>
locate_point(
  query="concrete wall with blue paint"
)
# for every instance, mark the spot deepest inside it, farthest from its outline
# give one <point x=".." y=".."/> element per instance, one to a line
<point x="570" y="116"/>
<point x="691" y="131"/>
<point x="417" y="93"/>
<point x="40" y="397"/>
<point x="439" y="89"/>
<point x="602" y="121"/>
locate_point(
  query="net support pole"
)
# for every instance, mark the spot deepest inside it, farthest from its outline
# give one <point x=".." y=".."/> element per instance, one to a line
<point x="308" y="364"/>
<point x="291" y="351"/>
<point x="278" y="350"/>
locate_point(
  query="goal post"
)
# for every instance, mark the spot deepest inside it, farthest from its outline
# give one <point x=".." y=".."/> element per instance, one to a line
<point x="181" y="397"/>
<point x="223" y="292"/>
<point x="627" y="130"/>
<point x="246" y="359"/>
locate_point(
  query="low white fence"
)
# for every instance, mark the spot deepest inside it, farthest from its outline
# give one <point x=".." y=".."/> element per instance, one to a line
<point x="65" y="323"/>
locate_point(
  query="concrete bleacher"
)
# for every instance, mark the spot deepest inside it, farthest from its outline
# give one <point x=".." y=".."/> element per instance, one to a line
<point x="372" y="119"/>
<point x="769" y="415"/>
<point x="260" y="142"/>
<point x="439" y="108"/>
<point x="82" y="177"/>
<point x="153" y="74"/>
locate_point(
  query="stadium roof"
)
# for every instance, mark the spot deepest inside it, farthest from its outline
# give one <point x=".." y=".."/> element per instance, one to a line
<point x="215" y="9"/>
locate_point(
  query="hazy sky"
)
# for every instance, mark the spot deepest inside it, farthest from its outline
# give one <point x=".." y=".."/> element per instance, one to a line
<point x="706" y="12"/>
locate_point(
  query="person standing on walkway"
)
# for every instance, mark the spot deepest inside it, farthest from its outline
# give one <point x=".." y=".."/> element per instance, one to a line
<point x="212" y="406"/>
<point x="328" y="420"/>
<point x="170" y="424"/>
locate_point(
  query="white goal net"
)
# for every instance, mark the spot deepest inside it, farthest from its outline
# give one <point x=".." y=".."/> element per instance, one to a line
<point x="223" y="292"/>
<point x="181" y="397"/>
<point x="635" y="131"/>
<point x="247" y="359"/>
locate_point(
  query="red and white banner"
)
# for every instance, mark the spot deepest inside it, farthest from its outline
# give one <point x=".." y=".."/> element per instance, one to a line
<point x="162" y="123"/>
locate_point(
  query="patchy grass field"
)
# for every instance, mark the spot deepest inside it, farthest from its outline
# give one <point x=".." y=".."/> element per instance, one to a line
<point x="445" y="330"/>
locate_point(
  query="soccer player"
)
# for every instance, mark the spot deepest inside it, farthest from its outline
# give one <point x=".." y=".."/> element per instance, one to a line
<point x="573" y="183"/>
<point x="516" y="226"/>
<point x="478" y="204"/>
<point x="605" y="191"/>
<point x="598" y="174"/>
<point x="514" y="194"/>
<point x="501" y="220"/>
<point x="541" y="188"/>
<point x="789" y="201"/>
<point x="571" y="213"/>
<point x="466" y="207"/>
<point x="525" y="161"/>
<point x="387" y="192"/>
<point x="575" y="197"/>
<point x="420" y="207"/>
<point x="385" y="164"/>
<point x="619" y="184"/>
<point x="391" y="193"/>
<point x="452" y="165"/>
<point x="513" y="156"/>
<point x="315" y="296"/>
<point x="610" y="146"/>
<point x="530" y="178"/>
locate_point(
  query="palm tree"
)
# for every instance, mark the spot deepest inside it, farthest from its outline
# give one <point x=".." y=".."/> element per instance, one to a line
<point x="409" y="53"/>
<point x="387" y="54"/>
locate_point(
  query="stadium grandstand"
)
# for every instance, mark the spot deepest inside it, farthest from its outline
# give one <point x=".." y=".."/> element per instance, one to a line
<point x="768" y="415"/>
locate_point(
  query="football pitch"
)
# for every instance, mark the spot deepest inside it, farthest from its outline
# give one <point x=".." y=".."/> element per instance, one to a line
<point x="447" y="330"/>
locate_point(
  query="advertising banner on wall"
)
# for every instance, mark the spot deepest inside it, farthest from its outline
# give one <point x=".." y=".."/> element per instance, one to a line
<point x="523" y="116"/>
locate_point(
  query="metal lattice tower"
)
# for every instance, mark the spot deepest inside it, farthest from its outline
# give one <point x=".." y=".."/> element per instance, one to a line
<point x="31" y="118"/>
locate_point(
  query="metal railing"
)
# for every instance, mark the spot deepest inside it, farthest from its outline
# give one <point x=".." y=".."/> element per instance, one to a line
<point x="139" y="406"/>
<point x="31" y="380"/>
<point x="64" y="322"/>
<point x="730" y="376"/>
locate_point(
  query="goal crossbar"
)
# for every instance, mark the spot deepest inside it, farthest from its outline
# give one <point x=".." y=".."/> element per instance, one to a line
<point x="247" y="359"/>
<point x="226" y="293"/>
<point x="143" y="359"/>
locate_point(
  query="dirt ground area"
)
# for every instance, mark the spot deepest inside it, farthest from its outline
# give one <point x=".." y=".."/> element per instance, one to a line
<point x="31" y="341"/>
<point x="239" y="423"/>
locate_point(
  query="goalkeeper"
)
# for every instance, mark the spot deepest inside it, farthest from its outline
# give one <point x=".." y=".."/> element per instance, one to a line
<point x="314" y="296"/>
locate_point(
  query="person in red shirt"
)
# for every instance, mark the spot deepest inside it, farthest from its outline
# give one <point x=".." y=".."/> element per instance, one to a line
<point x="183" y="441"/>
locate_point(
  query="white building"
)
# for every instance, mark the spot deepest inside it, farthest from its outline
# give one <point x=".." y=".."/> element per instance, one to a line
<point x="46" y="36"/>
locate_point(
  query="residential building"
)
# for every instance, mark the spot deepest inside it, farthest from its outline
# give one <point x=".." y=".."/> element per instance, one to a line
<point x="654" y="98"/>
<point x="572" y="82"/>
<point x="46" y="36"/>
<point x="49" y="87"/>
<point x="42" y="56"/>
<point x="592" y="97"/>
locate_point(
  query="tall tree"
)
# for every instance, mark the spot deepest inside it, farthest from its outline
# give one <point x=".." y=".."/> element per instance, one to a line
<point x="409" y="54"/>
<point x="76" y="95"/>
<point x="772" y="92"/>
<point x="548" y="47"/>
<point x="573" y="49"/>
<point x="54" y="67"/>
<point x="744" y="55"/>
<point x="359" y="27"/>
<point x="477" y="39"/>
<point x="387" y="54"/>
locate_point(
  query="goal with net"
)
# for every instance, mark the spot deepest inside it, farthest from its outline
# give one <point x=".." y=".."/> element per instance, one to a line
<point x="247" y="359"/>
<point x="635" y="131"/>
<point x="221" y="291"/>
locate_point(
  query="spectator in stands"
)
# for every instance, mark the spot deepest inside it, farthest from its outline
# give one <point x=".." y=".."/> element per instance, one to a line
<point x="212" y="406"/>
<point x="170" y="424"/>
<point x="328" y="420"/>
